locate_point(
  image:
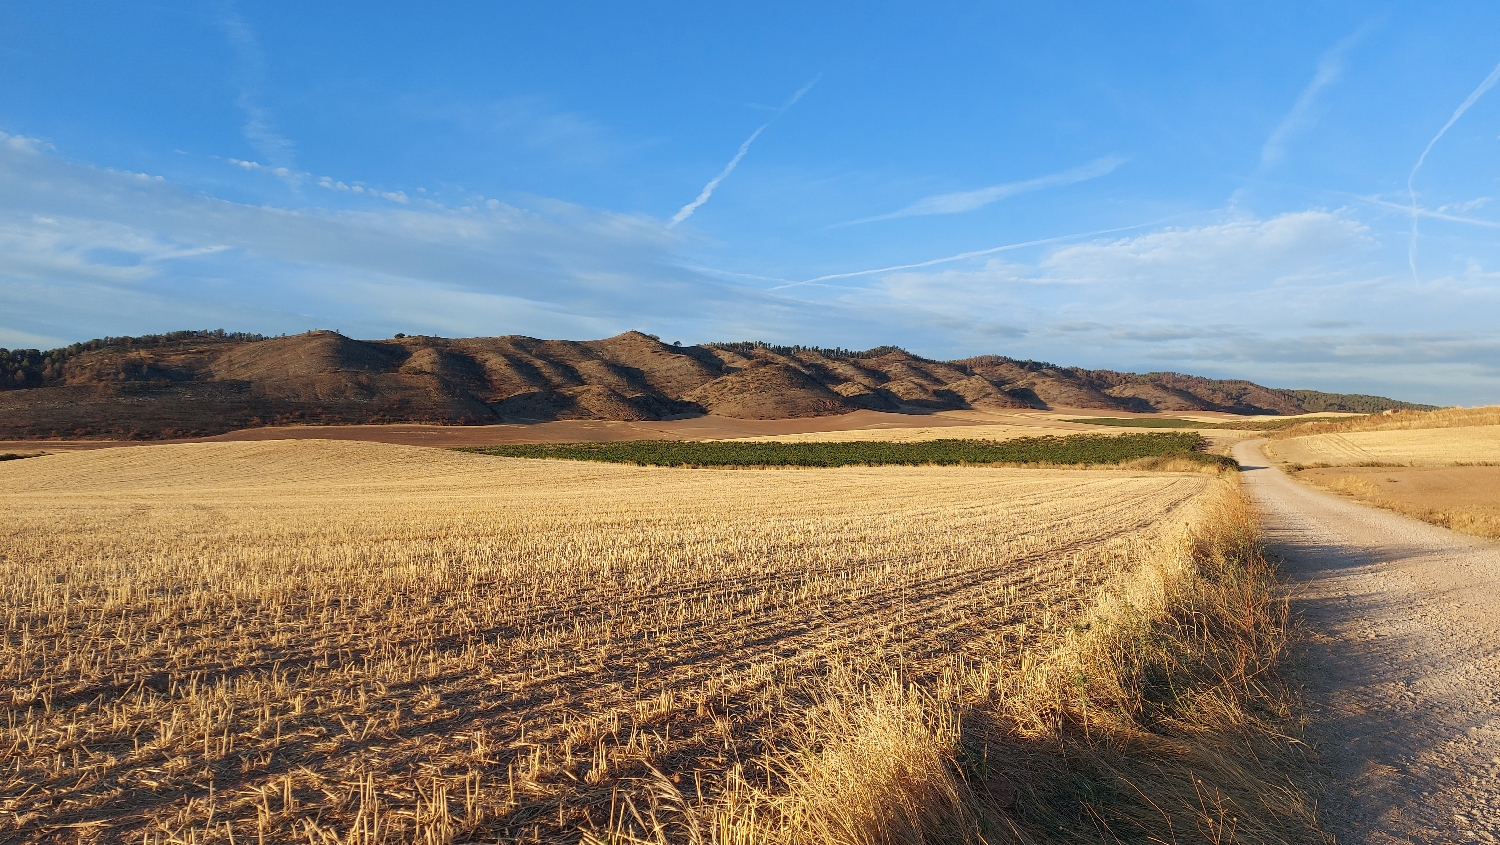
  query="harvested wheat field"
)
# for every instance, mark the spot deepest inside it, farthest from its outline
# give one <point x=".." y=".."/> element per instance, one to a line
<point x="1439" y="466"/>
<point x="1026" y="427"/>
<point x="339" y="642"/>
<point x="1410" y="447"/>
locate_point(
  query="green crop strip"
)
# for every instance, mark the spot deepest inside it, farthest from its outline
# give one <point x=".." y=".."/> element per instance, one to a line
<point x="1077" y="449"/>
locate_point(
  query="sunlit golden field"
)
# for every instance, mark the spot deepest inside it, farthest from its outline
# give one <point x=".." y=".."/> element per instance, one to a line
<point x="1438" y="466"/>
<point x="996" y="431"/>
<point x="1445" y="446"/>
<point x="341" y="642"/>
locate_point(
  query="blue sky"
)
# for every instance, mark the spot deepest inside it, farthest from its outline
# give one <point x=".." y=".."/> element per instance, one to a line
<point x="1222" y="189"/>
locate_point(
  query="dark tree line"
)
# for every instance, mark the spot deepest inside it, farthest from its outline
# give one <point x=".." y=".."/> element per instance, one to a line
<point x="746" y="347"/>
<point x="20" y="368"/>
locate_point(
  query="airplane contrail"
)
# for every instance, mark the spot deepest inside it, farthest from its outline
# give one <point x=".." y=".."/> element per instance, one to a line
<point x="970" y="200"/>
<point x="1487" y="84"/>
<point x="708" y="190"/>
<point x="961" y="256"/>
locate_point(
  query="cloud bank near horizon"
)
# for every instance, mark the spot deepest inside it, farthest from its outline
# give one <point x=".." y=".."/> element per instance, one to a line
<point x="91" y="251"/>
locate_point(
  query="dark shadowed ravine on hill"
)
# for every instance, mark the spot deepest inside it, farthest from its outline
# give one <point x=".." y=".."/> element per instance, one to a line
<point x="204" y="383"/>
<point x="1402" y="662"/>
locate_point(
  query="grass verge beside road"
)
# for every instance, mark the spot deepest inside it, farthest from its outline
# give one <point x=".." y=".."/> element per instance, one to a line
<point x="1146" y="451"/>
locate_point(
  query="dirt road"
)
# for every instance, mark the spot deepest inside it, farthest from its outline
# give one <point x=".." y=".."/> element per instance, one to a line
<point x="1402" y="666"/>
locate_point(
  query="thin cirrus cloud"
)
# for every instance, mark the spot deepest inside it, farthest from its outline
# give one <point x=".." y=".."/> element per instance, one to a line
<point x="961" y="201"/>
<point x="1238" y="255"/>
<point x="89" y="249"/>
<point x="251" y="68"/>
<point x="297" y="177"/>
<point x="1303" y="114"/>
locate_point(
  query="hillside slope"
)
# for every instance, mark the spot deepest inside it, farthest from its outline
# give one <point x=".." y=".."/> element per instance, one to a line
<point x="199" y="383"/>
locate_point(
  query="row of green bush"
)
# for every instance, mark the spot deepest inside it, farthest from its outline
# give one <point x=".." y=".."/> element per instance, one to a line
<point x="1076" y="449"/>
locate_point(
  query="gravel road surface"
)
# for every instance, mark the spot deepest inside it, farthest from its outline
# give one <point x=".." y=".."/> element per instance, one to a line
<point x="1402" y="665"/>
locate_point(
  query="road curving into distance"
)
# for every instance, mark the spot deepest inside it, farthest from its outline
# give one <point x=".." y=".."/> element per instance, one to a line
<point x="1402" y="661"/>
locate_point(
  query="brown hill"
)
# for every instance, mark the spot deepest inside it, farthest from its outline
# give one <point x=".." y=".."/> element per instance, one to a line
<point x="198" y="383"/>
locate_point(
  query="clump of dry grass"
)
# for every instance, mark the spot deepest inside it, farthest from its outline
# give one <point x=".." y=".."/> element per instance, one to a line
<point x="1352" y="485"/>
<point x="1207" y="464"/>
<point x="873" y="765"/>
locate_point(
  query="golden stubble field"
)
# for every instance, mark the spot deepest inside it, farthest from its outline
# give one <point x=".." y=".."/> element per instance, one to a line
<point x="1439" y="466"/>
<point x="916" y="434"/>
<point x="1446" y="446"/>
<point x="347" y="642"/>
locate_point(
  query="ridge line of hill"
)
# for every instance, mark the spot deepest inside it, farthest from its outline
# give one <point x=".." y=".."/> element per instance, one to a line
<point x="208" y="382"/>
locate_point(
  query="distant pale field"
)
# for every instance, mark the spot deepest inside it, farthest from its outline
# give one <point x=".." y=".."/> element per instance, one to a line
<point x="1416" y="446"/>
<point x="999" y="431"/>
<point x="299" y="640"/>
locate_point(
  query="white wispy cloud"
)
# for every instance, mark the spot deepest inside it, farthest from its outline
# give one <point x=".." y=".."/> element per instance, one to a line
<point x="87" y="251"/>
<point x="1200" y="261"/>
<point x="251" y="68"/>
<point x="708" y="190"/>
<point x="1411" y="191"/>
<point x="961" y="201"/>
<point x="1222" y="256"/>
<point x="22" y="143"/>
<point x="297" y="177"/>
<point x="1304" y="111"/>
<point x="1330" y="69"/>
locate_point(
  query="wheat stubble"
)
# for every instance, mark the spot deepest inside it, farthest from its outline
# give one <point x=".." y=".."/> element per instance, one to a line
<point x="331" y="641"/>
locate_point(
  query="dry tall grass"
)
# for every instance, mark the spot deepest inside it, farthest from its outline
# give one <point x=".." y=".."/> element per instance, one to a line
<point x="354" y="643"/>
